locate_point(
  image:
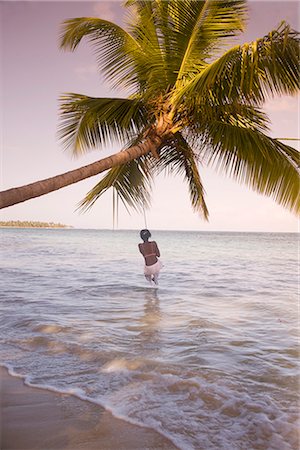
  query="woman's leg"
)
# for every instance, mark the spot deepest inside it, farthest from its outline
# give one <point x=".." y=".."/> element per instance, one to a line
<point x="155" y="278"/>
<point x="148" y="278"/>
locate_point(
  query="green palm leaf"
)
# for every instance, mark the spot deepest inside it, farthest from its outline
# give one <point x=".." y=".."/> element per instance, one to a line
<point x="116" y="50"/>
<point x="180" y="35"/>
<point x="264" y="164"/>
<point x="177" y="157"/>
<point x="202" y="27"/>
<point x="131" y="183"/>
<point x="251" y="71"/>
<point x="88" y="122"/>
<point x="233" y="112"/>
<point x="151" y="28"/>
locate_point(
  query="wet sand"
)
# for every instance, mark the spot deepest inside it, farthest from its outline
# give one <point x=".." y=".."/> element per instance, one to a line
<point x="37" y="419"/>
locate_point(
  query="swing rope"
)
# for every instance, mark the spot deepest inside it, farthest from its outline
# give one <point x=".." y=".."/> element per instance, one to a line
<point x="115" y="202"/>
<point x="145" y="218"/>
<point x="115" y="209"/>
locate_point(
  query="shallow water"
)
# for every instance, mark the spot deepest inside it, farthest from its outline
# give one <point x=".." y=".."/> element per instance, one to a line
<point x="209" y="359"/>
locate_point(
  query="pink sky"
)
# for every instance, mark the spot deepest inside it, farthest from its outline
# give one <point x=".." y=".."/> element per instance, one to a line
<point x="34" y="74"/>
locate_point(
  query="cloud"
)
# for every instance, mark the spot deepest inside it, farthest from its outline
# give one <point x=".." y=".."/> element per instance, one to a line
<point x="109" y="10"/>
<point x="105" y="10"/>
<point x="84" y="72"/>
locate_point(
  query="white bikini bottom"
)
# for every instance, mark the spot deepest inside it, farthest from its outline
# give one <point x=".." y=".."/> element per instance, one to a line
<point x="153" y="269"/>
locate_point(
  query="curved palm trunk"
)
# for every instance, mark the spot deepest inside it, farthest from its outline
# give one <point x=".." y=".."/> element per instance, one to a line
<point x="21" y="194"/>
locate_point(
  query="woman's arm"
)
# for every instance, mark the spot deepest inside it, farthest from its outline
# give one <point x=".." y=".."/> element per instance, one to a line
<point x="157" y="250"/>
<point x="141" y="249"/>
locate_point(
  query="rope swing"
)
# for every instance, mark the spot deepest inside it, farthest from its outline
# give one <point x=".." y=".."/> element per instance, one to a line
<point x="115" y="207"/>
<point x="145" y="218"/>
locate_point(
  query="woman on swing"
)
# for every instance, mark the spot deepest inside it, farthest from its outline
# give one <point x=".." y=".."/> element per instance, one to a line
<point x="151" y="253"/>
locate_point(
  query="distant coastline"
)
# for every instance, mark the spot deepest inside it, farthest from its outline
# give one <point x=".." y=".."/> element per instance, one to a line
<point x="31" y="224"/>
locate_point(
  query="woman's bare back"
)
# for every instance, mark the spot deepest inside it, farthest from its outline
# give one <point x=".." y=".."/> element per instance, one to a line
<point x="150" y="252"/>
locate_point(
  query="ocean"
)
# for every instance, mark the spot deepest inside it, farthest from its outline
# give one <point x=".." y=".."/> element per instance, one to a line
<point x="209" y="359"/>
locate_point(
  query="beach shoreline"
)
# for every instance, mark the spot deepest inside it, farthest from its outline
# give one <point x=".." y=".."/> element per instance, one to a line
<point x="35" y="418"/>
<point x="36" y="228"/>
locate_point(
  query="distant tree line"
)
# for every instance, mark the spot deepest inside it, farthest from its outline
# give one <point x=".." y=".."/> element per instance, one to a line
<point x="31" y="224"/>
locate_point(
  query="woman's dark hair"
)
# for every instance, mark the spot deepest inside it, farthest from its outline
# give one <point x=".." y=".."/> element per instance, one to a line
<point x="145" y="235"/>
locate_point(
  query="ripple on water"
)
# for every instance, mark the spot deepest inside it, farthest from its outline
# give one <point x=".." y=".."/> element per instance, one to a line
<point x="209" y="359"/>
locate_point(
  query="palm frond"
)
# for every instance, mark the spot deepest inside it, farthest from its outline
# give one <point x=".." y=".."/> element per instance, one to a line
<point x="131" y="183"/>
<point x="88" y="122"/>
<point x="201" y="26"/>
<point x="180" y="35"/>
<point x="177" y="157"/>
<point x="233" y="112"/>
<point x="115" y="48"/>
<point x="146" y="26"/>
<point x="250" y="72"/>
<point x="264" y="164"/>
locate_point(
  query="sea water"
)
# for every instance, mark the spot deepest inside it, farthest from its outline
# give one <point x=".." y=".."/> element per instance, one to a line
<point x="209" y="359"/>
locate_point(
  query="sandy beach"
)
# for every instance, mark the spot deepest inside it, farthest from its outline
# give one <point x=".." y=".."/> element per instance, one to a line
<point x="34" y="418"/>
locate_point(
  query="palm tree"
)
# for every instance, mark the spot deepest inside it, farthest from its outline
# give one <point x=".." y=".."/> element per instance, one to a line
<point x="193" y="100"/>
